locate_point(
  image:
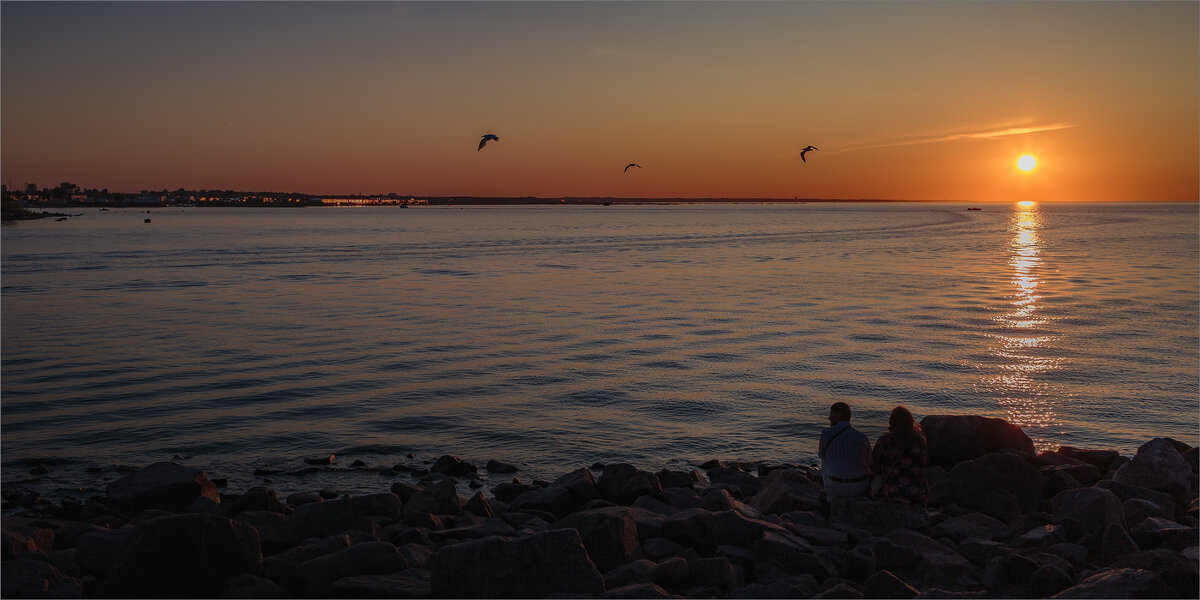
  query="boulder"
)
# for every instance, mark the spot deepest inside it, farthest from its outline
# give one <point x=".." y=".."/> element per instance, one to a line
<point x="478" y="505"/>
<point x="955" y="438"/>
<point x="787" y="490"/>
<point x="638" y="571"/>
<point x="299" y="498"/>
<point x="1126" y="492"/>
<point x="1048" y="580"/>
<point x="1000" y="484"/>
<point x="885" y="584"/>
<point x="162" y="485"/>
<point x="25" y="578"/>
<point x="1136" y="509"/>
<point x="875" y="516"/>
<point x="741" y="483"/>
<point x="452" y="466"/>
<point x="672" y="572"/>
<point x="1175" y="569"/>
<point x="800" y="586"/>
<point x="623" y="483"/>
<point x="537" y="565"/>
<point x="979" y="552"/>
<point x="971" y="525"/>
<point x="714" y="572"/>
<point x="258" y="498"/>
<point x="362" y="513"/>
<point x="1086" y="511"/>
<point x="185" y="555"/>
<point x="1101" y="459"/>
<point x="1153" y="532"/>
<point x="778" y="556"/>
<point x="1158" y="466"/>
<point x="315" y="576"/>
<point x="562" y="497"/>
<point x="690" y="529"/>
<point x="659" y="548"/>
<point x="1120" y="583"/>
<point x="839" y="589"/>
<point x="1115" y="542"/>
<point x="19" y="540"/>
<point x="654" y="505"/>
<point x="252" y="586"/>
<point x="439" y="498"/>
<point x="733" y="528"/>
<point x="683" y="479"/>
<point x="936" y="563"/>
<point x="637" y="590"/>
<point x="274" y="535"/>
<point x="495" y="466"/>
<point x="609" y="534"/>
<point x="101" y="552"/>
<point x="821" y="536"/>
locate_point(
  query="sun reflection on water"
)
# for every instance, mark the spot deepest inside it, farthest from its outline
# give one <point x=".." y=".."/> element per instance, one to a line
<point x="1021" y="340"/>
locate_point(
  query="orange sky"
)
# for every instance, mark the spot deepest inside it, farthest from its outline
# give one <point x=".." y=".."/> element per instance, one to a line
<point x="906" y="100"/>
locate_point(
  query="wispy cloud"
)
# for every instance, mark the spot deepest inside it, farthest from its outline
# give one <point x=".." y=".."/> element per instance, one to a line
<point x="989" y="133"/>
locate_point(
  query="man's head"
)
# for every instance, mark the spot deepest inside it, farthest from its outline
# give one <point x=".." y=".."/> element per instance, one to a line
<point x="840" y="411"/>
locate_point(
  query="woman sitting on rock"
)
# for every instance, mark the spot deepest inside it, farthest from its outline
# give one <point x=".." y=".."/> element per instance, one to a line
<point x="899" y="458"/>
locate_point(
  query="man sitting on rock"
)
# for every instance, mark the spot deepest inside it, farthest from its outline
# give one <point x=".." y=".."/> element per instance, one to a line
<point x="845" y="454"/>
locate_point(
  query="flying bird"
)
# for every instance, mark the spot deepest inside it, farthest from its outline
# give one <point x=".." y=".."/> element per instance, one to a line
<point x="802" y="152"/>
<point x="486" y="137"/>
<point x="631" y="165"/>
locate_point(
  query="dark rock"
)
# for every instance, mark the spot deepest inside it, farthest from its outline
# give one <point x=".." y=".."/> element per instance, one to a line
<point x="681" y="479"/>
<point x="732" y="527"/>
<point x="489" y="527"/>
<point x="544" y="563"/>
<point x="479" y="505"/>
<point x="19" y="540"/>
<point x="811" y="518"/>
<point x="597" y="503"/>
<point x="659" y="548"/>
<point x="1000" y="484"/>
<point x="362" y="513"/>
<point x="495" y="466"/>
<point x="506" y="492"/>
<point x="367" y="558"/>
<point x="36" y="579"/>
<point x="1041" y="537"/>
<point x="885" y="584"/>
<point x="1125" y="492"/>
<point x="822" y="536"/>
<point x="1120" y="583"/>
<point x="637" y="590"/>
<point x="424" y="520"/>
<point x="190" y="554"/>
<point x="274" y="535"/>
<point x="623" y="483"/>
<point x="1020" y="567"/>
<point x="840" y="589"/>
<point x="1115" y="542"/>
<point x="1153" y="532"/>
<point x="862" y="562"/>
<point x="711" y="463"/>
<point x="638" y="571"/>
<point x="787" y="490"/>
<point x="566" y="495"/>
<point x="1075" y="554"/>
<point x="892" y="556"/>
<point x="654" y="506"/>
<point x="416" y="555"/>
<point x="1137" y="509"/>
<point x="328" y="494"/>
<point x="936" y="563"/>
<point x="1158" y="466"/>
<point x="875" y="516"/>
<point x="207" y="506"/>
<point x="714" y="572"/>
<point x="320" y="460"/>
<point x="979" y="552"/>
<point x="439" y="498"/>
<point x="67" y="536"/>
<point x="743" y="483"/>
<point x="162" y="485"/>
<point x="1086" y="511"/>
<point x="672" y="573"/>
<point x="971" y="525"/>
<point x="783" y="555"/>
<point x="300" y="498"/>
<point x="690" y="528"/>
<point x="259" y="498"/>
<point x="452" y="466"/>
<point x="717" y="499"/>
<point x="800" y="586"/>
<point x="252" y="586"/>
<point x="955" y="438"/>
<point x="405" y="491"/>
<point x="1101" y="459"/>
<point x="681" y="498"/>
<point x="101" y="552"/>
<point x="739" y="556"/>
<point x="1193" y="458"/>
<point x="1175" y="569"/>
<point x="609" y="534"/>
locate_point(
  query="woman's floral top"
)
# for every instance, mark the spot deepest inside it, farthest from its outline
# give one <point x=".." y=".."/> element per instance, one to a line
<point x="902" y="467"/>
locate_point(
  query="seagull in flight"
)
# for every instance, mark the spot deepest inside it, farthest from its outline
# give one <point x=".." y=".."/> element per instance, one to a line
<point x="631" y="165"/>
<point x="486" y="137"/>
<point x="802" y="152"/>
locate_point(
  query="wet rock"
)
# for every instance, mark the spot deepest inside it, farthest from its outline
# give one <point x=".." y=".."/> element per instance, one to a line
<point x="1086" y="511"/>
<point x="787" y="490"/>
<point x="956" y="438"/>
<point x="259" y="498"/>
<point x="566" y="495"/>
<point x="609" y="534"/>
<point x="537" y="565"/>
<point x="322" y="459"/>
<point x="367" y="558"/>
<point x="363" y="513"/>
<point x="300" y="498"/>
<point x="19" y="540"/>
<point x="189" y="554"/>
<point x="439" y="498"/>
<point x="743" y="484"/>
<point x="1120" y="583"/>
<point x="1158" y="466"/>
<point x="252" y="586"/>
<point x="1125" y="492"/>
<point x="875" y="516"/>
<point x="162" y="485"/>
<point x="495" y="466"/>
<point x="971" y="525"/>
<point x="680" y="479"/>
<point x="637" y="590"/>
<point x="638" y="571"/>
<point x="452" y="466"/>
<point x="36" y="579"/>
<point x="479" y="505"/>
<point x="1000" y="484"/>
<point x="623" y="483"/>
<point x="1101" y="459"/>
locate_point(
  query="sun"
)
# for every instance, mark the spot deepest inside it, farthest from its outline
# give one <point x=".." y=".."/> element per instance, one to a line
<point x="1026" y="163"/>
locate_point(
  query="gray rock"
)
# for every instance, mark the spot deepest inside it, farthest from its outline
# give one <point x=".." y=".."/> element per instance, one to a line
<point x="538" y="565"/>
<point x="300" y="498"/>
<point x="362" y="513"/>
<point x="609" y="534"/>
<point x="101" y="552"/>
<point x="1158" y="466"/>
<point x="936" y="563"/>
<point x="1115" y="542"/>
<point x="955" y="438"/>
<point x="682" y="479"/>
<point x="1153" y="532"/>
<point x="439" y="498"/>
<point x="562" y="497"/>
<point x="188" y="554"/>
<point x="1086" y="511"/>
<point x="452" y="466"/>
<point x="1101" y="459"/>
<point x="875" y="516"/>
<point x="1000" y="484"/>
<point x="743" y="483"/>
<point x="36" y="579"/>
<point x="274" y="535"/>
<point x="1136" y="509"/>
<point x="885" y="584"/>
<point x="787" y="490"/>
<point x="479" y="505"/>
<point x="623" y="483"/>
<point x="1120" y="583"/>
<point x="368" y="558"/>
<point x="971" y="525"/>
<point x="259" y="498"/>
<point x="638" y="571"/>
<point x="637" y="590"/>
<point x="252" y="586"/>
<point x="162" y="485"/>
<point x="495" y="466"/>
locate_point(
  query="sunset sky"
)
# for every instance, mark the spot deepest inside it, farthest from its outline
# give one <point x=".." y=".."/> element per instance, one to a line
<point x="906" y="100"/>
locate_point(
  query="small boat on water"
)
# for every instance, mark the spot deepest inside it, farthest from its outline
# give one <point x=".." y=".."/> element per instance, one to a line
<point x="973" y="208"/>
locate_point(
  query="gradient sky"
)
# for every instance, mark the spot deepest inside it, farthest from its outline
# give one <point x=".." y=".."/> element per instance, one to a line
<point x="906" y="100"/>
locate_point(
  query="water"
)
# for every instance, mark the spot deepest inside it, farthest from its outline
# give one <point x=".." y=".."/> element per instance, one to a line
<point x="555" y="337"/>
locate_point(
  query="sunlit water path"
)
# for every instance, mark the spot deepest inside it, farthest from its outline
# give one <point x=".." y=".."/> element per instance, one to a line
<point x="555" y="337"/>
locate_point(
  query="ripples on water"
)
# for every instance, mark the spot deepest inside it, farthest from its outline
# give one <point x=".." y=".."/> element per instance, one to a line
<point x="554" y="337"/>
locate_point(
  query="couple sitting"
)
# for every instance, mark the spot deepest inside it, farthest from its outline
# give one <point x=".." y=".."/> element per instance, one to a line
<point x="894" y="471"/>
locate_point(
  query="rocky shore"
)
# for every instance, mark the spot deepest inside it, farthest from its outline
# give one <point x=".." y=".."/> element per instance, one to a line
<point x="1002" y="521"/>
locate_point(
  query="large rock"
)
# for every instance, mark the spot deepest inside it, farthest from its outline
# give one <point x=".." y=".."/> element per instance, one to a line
<point x="936" y="564"/>
<point x="258" y="498"/>
<point x="1158" y="466"/>
<point x="1101" y="459"/>
<point x="638" y="571"/>
<point x="367" y="558"/>
<point x="609" y="534"/>
<point x="1000" y="484"/>
<point x="875" y="516"/>
<point x="1086" y="511"/>
<point x="18" y="540"/>
<point x="452" y="466"/>
<point x="410" y="583"/>
<point x="787" y="490"/>
<point x="185" y="555"/>
<point x="690" y="528"/>
<point x="885" y="584"/>
<point x="1120" y="583"/>
<point x="101" y="552"/>
<point x="1127" y="492"/>
<point x="971" y="526"/>
<point x="362" y="513"/>
<point x="779" y="556"/>
<point x="743" y="484"/>
<point x="162" y="485"/>
<point x="623" y="483"/>
<point x="36" y="579"/>
<point x="439" y="498"/>
<point x="734" y="528"/>
<point x="954" y="438"/>
<point x="562" y="497"/>
<point x="535" y="566"/>
<point x="1153" y="532"/>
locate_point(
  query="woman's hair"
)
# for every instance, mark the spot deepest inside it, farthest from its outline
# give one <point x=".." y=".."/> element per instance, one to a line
<point x="902" y="425"/>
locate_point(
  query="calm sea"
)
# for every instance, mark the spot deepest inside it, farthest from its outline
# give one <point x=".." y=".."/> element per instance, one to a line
<point x="554" y="337"/>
